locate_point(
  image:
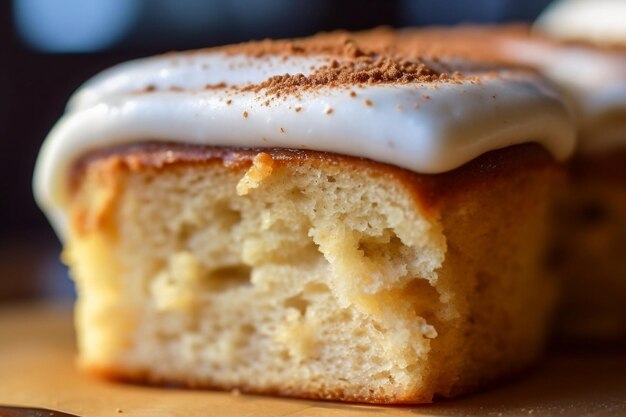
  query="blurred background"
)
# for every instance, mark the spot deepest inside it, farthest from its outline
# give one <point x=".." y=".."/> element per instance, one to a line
<point x="49" y="47"/>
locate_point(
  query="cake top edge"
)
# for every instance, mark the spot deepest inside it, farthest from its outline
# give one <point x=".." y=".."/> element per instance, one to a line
<point x="383" y="95"/>
<point x="333" y="60"/>
<point x="376" y="56"/>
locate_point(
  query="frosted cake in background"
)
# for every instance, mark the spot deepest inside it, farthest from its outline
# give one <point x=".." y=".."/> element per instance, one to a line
<point x="598" y="21"/>
<point x="591" y="246"/>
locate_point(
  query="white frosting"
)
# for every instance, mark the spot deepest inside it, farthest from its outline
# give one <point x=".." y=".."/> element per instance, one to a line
<point x="602" y="21"/>
<point x="451" y="125"/>
<point x="592" y="77"/>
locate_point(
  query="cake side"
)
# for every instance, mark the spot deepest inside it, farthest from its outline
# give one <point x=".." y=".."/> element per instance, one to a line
<point x="309" y="274"/>
<point x="589" y="242"/>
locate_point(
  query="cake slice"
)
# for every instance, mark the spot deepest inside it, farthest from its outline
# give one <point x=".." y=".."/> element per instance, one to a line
<point x="321" y="218"/>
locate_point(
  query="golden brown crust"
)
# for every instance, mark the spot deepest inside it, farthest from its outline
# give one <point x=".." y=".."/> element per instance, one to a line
<point x="145" y="378"/>
<point x="428" y="190"/>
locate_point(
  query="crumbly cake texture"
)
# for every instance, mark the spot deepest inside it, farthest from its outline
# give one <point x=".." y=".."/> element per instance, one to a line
<point x="309" y="274"/>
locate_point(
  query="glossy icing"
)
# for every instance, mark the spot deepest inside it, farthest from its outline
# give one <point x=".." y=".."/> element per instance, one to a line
<point x="192" y="98"/>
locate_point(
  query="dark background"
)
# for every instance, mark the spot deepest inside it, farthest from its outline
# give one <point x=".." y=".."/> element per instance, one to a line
<point x="49" y="47"/>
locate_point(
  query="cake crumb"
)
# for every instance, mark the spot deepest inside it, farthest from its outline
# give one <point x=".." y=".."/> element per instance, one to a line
<point x="229" y="101"/>
<point x="119" y="410"/>
<point x="282" y="130"/>
<point x="368" y="103"/>
<point x="425" y="96"/>
<point x="428" y="331"/>
<point x="298" y="109"/>
<point x="329" y="111"/>
<point x="245" y="114"/>
<point x="352" y="94"/>
<point x="235" y="392"/>
<point x="262" y="166"/>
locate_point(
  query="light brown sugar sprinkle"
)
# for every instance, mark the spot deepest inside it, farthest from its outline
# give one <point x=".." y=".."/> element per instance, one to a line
<point x="359" y="71"/>
<point x="338" y="43"/>
<point x="245" y="114"/>
<point x="215" y="86"/>
<point x="374" y="57"/>
<point x="461" y="42"/>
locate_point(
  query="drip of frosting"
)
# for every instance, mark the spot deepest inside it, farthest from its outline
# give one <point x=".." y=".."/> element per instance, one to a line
<point x="221" y="99"/>
<point x="601" y="21"/>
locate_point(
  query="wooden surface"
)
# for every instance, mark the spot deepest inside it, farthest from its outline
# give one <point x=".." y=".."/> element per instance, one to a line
<point x="37" y="370"/>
